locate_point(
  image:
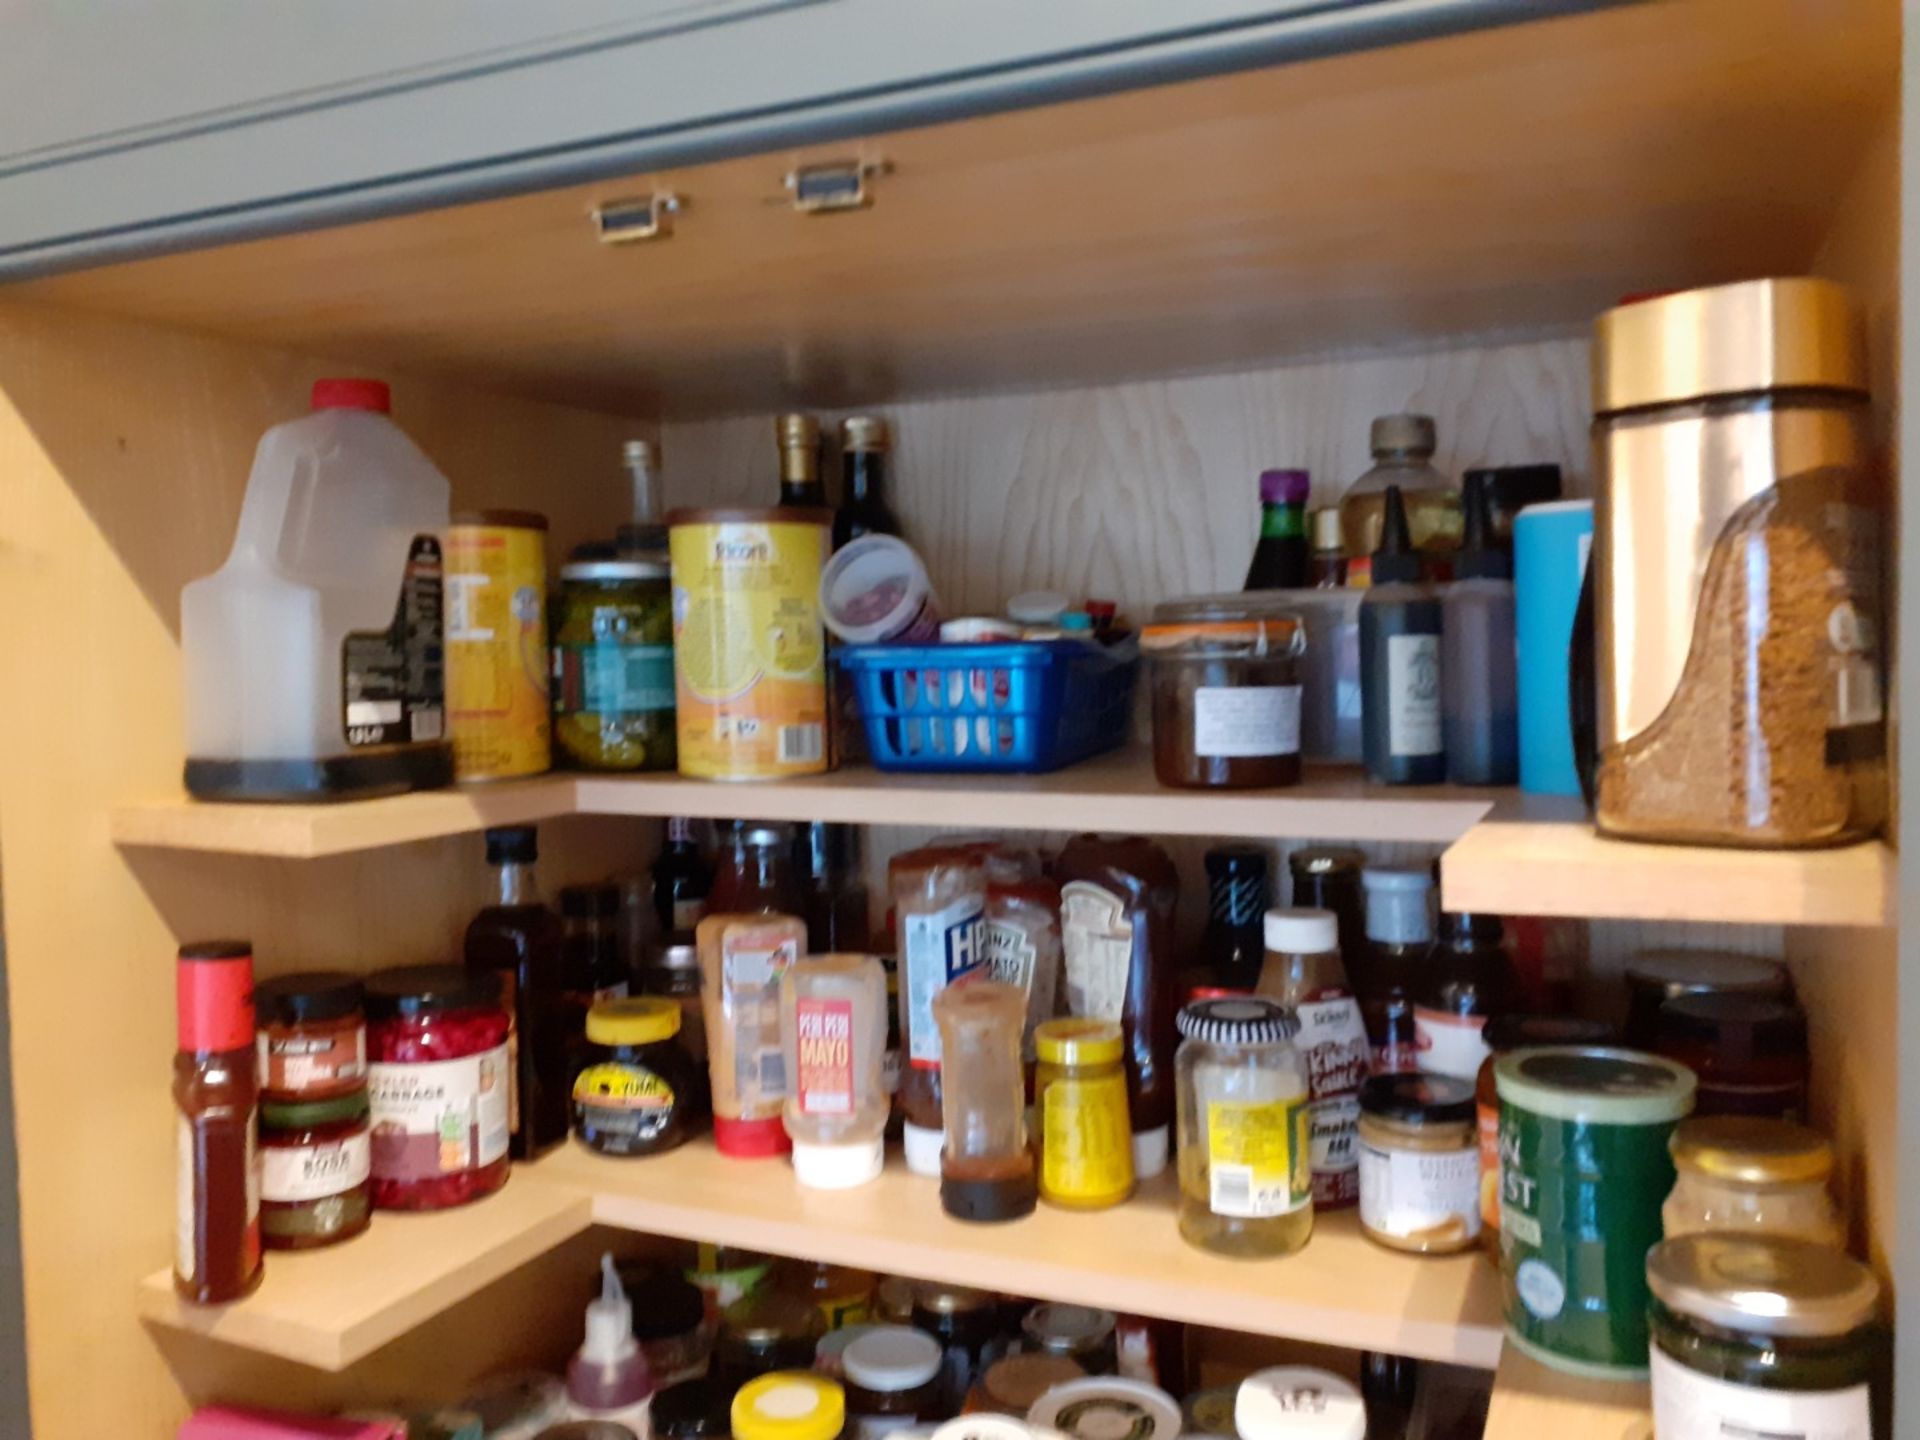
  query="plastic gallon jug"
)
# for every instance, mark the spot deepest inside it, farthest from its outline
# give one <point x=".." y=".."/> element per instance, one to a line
<point x="315" y="657"/>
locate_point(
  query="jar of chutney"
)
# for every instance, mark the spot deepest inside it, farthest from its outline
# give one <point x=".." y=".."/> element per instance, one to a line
<point x="636" y="1094"/>
<point x="315" y="1171"/>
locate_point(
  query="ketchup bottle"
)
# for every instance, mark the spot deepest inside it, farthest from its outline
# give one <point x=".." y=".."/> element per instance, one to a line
<point x="215" y="1093"/>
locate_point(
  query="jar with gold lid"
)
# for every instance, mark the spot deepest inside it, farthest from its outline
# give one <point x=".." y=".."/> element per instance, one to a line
<point x="1756" y="1176"/>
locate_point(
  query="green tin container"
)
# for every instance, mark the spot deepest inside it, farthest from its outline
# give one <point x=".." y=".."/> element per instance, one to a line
<point x="1583" y="1171"/>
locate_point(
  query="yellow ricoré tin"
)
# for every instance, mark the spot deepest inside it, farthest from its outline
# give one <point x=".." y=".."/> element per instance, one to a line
<point x="497" y="667"/>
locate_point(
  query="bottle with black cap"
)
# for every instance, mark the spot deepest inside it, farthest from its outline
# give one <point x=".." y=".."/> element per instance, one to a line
<point x="1479" y="696"/>
<point x="1400" y="681"/>
<point x="1233" y="947"/>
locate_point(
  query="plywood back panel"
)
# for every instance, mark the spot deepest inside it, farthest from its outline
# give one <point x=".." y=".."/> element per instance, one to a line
<point x="1507" y="181"/>
<point x="124" y="451"/>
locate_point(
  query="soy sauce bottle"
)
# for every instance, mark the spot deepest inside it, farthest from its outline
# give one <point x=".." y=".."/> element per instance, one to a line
<point x="1400" y="697"/>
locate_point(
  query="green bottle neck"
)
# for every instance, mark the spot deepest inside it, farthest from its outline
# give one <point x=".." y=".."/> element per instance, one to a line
<point x="1283" y="522"/>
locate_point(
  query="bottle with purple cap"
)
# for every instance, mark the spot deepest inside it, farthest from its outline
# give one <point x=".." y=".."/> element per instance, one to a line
<point x="1281" y="557"/>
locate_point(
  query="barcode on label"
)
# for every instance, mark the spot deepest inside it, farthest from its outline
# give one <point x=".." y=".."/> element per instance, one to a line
<point x="1232" y="1190"/>
<point x="801" y="744"/>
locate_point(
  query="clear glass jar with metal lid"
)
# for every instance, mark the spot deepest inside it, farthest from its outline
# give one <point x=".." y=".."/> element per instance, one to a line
<point x="1757" y="1176"/>
<point x="1246" y="1178"/>
<point x="1078" y="1333"/>
<point x="1225" y="678"/>
<point x="613" y="697"/>
<point x="1763" y="1335"/>
<point x="1419" y="1164"/>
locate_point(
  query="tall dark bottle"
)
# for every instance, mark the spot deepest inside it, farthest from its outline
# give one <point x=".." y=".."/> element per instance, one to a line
<point x="864" y="443"/>
<point x="215" y="1094"/>
<point x="1479" y="690"/>
<point x="1282" y="556"/>
<point x="1233" y="947"/>
<point x="826" y="859"/>
<point x="1327" y="877"/>
<point x="798" y="437"/>
<point x="1400" y="711"/>
<point x="681" y="880"/>
<point x="1399" y="945"/>
<point x="521" y="940"/>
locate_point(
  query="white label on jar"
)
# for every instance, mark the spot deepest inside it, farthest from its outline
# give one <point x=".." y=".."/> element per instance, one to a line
<point x="1098" y="939"/>
<point x="1690" y="1406"/>
<point x="1413" y="695"/>
<point x="1010" y="952"/>
<point x="1235" y="721"/>
<point x="937" y="950"/>
<point x="1449" y="1044"/>
<point x="293" y="1173"/>
<point x="1403" y="1192"/>
<point x="439" y="1118"/>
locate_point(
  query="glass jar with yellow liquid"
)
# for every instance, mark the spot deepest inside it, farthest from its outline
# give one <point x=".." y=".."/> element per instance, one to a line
<point x="1402" y="448"/>
<point x="1246" y="1178"/>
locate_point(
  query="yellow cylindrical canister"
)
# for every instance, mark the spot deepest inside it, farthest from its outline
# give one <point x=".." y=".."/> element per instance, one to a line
<point x="749" y="648"/>
<point x="497" y="667"/>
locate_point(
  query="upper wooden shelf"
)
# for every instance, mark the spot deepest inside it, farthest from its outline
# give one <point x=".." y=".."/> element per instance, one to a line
<point x="1512" y="180"/>
<point x="1504" y="852"/>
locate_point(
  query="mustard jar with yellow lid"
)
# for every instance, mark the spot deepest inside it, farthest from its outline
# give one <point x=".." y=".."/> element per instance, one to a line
<point x="638" y="1092"/>
<point x="1080" y="1114"/>
<point x="789" y="1405"/>
<point x="1753" y="1175"/>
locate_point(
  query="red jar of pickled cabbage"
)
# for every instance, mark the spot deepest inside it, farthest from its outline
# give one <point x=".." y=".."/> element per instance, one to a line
<point x="437" y="1078"/>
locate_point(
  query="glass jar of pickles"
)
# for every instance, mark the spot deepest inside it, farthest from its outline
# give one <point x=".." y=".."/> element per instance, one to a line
<point x="613" y="666"/>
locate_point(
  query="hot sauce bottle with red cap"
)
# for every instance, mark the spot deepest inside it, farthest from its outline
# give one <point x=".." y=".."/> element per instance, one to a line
<point x="215" y="1093"/>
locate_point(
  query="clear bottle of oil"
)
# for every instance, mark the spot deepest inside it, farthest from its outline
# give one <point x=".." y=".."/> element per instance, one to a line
<point x="1402" y="448"/>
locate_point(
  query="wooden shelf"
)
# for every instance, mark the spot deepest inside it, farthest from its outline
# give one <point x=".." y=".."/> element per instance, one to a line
<point x="329" y="1308"/>
<point x="1340" y="1290"/>
<point x="1543" y="857"/>
<point x="305" y="832"/>
<point x="1533" y="1402"/>
<point x="1114" y="792"/>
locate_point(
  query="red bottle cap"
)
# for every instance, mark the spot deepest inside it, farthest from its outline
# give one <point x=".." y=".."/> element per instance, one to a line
<point x="342" y="394"/>
<point x="750" y="1139"/>
<point x="213" y="989"/>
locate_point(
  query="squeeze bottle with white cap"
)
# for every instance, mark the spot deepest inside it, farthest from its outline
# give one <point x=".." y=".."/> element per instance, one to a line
<point x="833" y="1030"/>
<point x="608" y="1379"/>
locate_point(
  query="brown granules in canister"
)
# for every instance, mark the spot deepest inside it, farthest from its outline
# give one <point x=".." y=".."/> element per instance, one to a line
<point x="1773" y="736"/>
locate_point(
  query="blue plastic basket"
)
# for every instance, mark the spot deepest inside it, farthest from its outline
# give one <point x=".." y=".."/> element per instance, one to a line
<point x="1025" y="706"/>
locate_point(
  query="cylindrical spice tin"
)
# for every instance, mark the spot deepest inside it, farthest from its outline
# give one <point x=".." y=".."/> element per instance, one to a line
<point x="496" y="623"/>
<point x="1583" y="1171"/>
<point x="749" y="647"/>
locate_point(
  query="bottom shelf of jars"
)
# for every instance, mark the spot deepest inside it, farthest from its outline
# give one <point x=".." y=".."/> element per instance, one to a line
<point x="1340" y="1290"/>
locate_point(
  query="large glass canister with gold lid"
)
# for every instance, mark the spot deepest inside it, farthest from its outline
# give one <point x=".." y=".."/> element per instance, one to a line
<point x="1737" y="569"/>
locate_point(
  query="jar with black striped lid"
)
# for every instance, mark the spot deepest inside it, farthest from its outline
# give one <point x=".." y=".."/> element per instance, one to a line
<point x="1246" y="1180"/>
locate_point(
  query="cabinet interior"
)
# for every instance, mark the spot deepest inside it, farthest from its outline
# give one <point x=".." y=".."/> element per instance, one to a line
<point x="1092" y="324"/>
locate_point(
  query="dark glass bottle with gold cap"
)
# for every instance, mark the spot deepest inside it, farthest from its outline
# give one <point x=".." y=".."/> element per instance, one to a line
<point x="799" y="439"/>
<point x="864" y="442"/>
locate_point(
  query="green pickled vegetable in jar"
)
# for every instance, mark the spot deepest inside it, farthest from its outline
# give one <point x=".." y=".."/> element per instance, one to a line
<point x="613" y="666"/>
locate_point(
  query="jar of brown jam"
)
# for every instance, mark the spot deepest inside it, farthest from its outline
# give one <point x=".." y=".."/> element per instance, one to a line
<point x="1225" y="679"/>
<point x="311" y="1037"/>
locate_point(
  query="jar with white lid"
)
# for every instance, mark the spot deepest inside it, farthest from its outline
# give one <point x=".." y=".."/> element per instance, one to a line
<point x="1754" y="1175"/>
<point x="1296" y="1402"/>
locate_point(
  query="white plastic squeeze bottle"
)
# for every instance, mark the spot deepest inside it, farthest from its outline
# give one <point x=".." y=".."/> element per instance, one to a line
<point x="609" y="1379"/>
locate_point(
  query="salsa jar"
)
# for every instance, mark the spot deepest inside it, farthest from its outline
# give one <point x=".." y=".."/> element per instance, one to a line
<point x="635" y="1094"/>
<point x="437" y="1078"/>
<point x="613" y="706"/>
<point x="1225" y="679"/>
<point x="315" y="1167"/>
<point x="311" y="1037"/>
<point x="1764" y="1335"/>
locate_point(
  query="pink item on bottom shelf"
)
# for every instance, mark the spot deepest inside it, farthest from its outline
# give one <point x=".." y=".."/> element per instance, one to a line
<point x="223" y="1422"/>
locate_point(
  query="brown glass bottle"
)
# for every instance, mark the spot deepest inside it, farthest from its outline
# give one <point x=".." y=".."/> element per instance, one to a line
<point x="798" y="437"/>
<point x="521" y="940"/>
<point x="215" y="1095"/>
<point x="1117" y="897"/>
<point x="827" y="859"/>
<point x="753" y="872"/>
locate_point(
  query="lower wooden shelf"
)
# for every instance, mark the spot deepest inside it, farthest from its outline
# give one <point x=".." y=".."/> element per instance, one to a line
<point x="329" y="1308"/>
<point x="1533" y="1402"/>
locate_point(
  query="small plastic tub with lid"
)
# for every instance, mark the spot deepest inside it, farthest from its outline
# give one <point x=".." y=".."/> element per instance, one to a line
<point x="315" y="1163"/>
<point x="1295" y="1402"/>
<point x="1225" y="678"/>
<point x="789" y="1405"/>
<point x="1762" y="1335"/>
<point x="312" y="1036"/>
<point x="1419" y="1164"/>
<point x="1753" y="1175"/>
<point x="1104" y="1406"/>
<point x="875" y="591"/>
<point x="635" y="1093"/>
<point x="892" y="1375"/>
<point x="437" y="1084"/>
